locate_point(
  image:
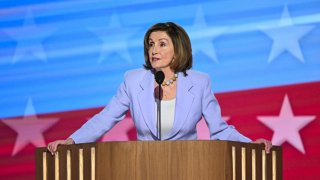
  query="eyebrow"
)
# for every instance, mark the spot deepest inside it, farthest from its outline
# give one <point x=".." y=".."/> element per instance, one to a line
<point x="159" y="39"/>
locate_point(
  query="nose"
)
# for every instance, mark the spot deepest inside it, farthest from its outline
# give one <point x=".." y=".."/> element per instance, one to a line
<point x="154" y="50"/>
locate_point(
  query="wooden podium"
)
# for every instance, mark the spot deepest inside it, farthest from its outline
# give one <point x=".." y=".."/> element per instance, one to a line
<point x="161" y="160"/>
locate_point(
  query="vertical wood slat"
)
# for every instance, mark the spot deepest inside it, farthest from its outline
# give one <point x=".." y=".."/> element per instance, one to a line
<point x="264" y="165"/>
<point x="80" y="164"/>
<point x="56" y="166"/>
<point x="93" y="162"/>
<point x="274" y="165"/>
<point x="243" y="163"/>
<point x="254" y="164"/>
<point x="44" y="166"/>
<point x="68" y="164"/>
<point x="233" y="163"/>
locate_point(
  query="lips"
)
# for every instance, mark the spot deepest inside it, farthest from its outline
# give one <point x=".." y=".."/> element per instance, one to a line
<point x="155" y="59"/>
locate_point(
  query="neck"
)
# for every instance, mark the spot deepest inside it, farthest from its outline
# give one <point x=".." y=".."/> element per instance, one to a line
<point x="168" y="73"/>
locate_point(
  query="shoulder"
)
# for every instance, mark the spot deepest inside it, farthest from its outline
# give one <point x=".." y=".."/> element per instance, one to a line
<point x="198" y="77"/>
<point x="135" y="74"/>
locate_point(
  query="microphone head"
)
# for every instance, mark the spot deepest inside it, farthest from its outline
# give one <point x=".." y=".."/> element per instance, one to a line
<point x="159" y="77"/>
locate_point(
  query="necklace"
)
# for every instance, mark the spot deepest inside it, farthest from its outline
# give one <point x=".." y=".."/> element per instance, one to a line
<point x="170" y="81"/>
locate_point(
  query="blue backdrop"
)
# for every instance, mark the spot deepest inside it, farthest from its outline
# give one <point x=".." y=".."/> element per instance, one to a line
<point x="68" y="55"/>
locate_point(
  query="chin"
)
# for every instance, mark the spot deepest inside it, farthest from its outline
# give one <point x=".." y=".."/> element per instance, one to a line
<point x="156" y="67"/>
<point x="159" y="67"/>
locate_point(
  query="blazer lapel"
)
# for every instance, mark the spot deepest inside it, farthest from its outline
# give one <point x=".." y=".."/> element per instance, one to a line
<point x="184" y="100"/>
<point x="146" y="101"/>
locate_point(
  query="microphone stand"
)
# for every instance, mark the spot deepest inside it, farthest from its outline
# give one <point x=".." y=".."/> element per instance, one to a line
<point x="159" y="114"/>
<point x="159" y="77"/>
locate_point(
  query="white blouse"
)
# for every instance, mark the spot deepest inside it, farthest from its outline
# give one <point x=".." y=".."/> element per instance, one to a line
<point x="167" y="115"/>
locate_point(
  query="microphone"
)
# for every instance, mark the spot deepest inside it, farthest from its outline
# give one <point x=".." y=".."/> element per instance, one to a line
<point x="159" y="77"/>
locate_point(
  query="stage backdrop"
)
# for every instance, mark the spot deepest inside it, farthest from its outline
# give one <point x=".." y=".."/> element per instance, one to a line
<point x="61" y="62"/>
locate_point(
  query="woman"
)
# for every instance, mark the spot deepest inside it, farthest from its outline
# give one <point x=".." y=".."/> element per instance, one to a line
<point x="186" y="96"/>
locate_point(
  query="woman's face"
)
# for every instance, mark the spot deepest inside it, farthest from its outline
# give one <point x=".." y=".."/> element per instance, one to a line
<point x="161" y="50"/>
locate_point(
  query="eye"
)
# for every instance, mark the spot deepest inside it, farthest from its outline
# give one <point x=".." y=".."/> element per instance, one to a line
<point x="151" y="44"/>
<point x="163" y="44"/>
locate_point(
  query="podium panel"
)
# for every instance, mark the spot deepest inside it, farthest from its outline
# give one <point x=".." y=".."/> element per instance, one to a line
<point x="158" y="160"/>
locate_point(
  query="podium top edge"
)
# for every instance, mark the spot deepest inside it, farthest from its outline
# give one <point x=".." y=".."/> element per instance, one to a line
<point x="230" y="143"/>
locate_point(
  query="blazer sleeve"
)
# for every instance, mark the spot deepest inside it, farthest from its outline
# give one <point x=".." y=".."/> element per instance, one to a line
<point x="102" y="122"/>
<point x="219" y="129"/>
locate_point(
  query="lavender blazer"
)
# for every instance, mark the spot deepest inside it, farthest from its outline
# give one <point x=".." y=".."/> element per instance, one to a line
<point x="194" y="99"/>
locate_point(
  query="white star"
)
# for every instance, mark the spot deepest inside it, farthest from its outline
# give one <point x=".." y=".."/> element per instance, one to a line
<point x="29" y="39"/>
<point x="286" y="126"/>
<point x="114" y="40"/>
<point x="286" y="37"/>
<point x="29" y="129"/>
<point x="202" y="36"/>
